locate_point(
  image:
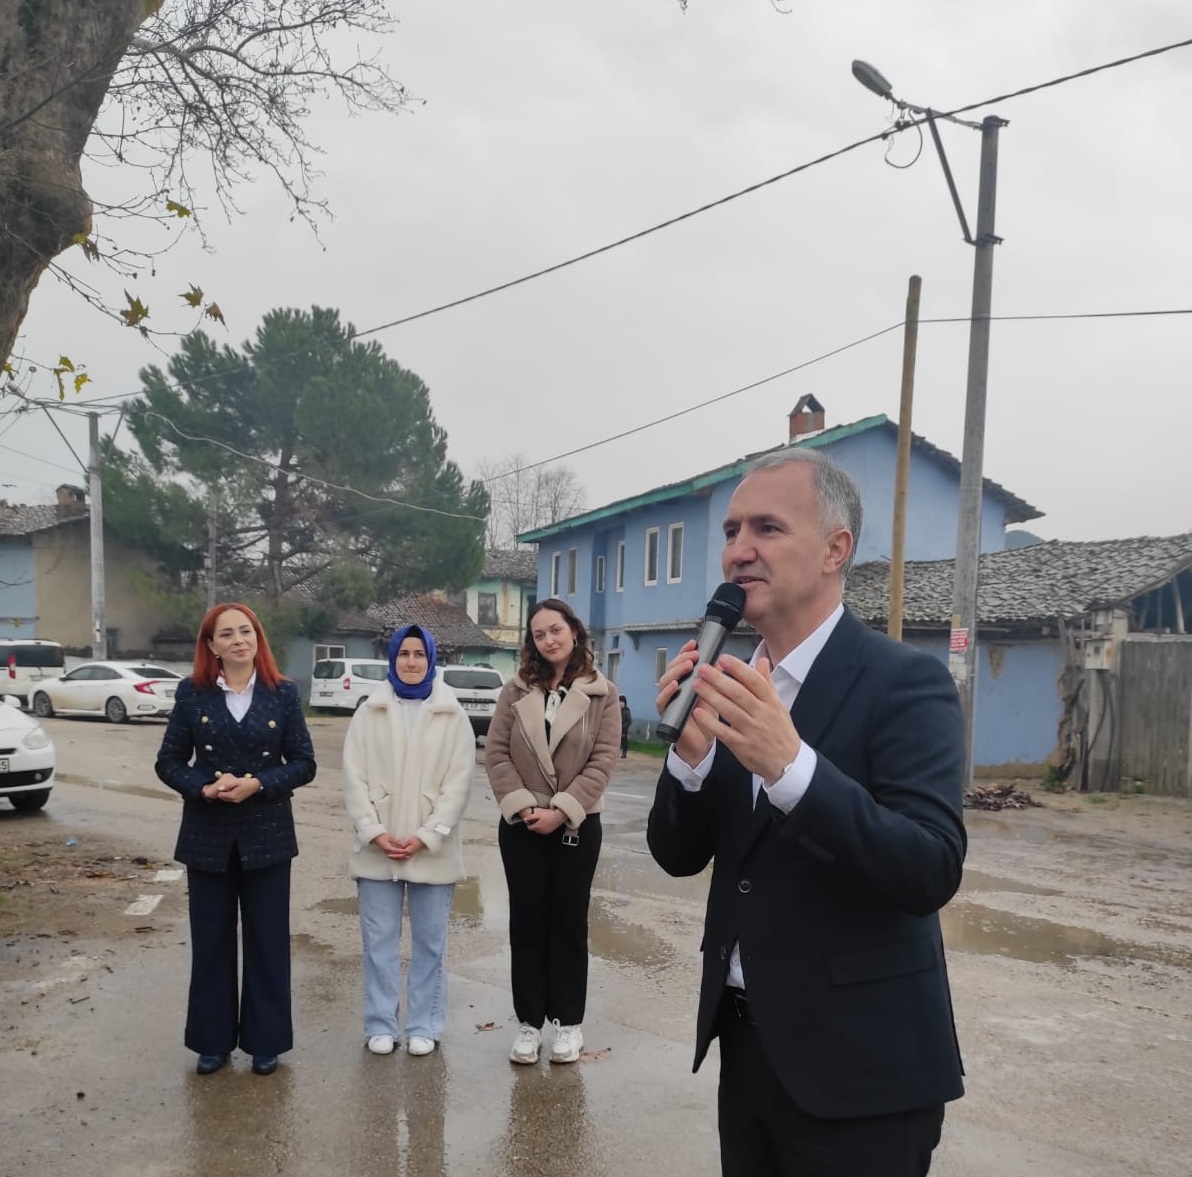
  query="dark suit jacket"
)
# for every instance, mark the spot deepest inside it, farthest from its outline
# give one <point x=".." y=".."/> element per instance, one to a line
<point x="835" y="905"/>
<point x="271" y="743"/>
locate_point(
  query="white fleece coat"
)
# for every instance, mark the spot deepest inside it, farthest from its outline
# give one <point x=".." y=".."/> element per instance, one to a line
<point x="409" y="780"/>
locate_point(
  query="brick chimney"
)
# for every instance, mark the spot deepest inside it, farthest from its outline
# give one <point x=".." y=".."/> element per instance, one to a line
<point x="72" y="500"/>
<point x="806" y="418"/>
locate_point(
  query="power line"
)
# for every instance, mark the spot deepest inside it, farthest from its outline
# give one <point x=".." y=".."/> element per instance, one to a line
<point x="749" y="189"/>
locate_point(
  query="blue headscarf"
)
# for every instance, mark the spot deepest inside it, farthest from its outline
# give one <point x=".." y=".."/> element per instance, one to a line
<point x="405" y="690"/>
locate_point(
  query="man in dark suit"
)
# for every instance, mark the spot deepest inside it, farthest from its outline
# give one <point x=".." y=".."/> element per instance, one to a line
<point x="824" y="780"/>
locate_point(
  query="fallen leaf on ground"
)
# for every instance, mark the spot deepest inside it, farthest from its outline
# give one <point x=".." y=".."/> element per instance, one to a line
<point x="487" y="1026"/>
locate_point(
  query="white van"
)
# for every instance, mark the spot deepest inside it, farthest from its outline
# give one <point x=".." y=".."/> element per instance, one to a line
<point x="24" y="662"/>
<point x="477" y="689"/>
<point x="342" y="684"/>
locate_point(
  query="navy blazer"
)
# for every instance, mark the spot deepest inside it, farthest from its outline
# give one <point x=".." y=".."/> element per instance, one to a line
<point x="835" y="905"/>
<point x="271" y="743"/>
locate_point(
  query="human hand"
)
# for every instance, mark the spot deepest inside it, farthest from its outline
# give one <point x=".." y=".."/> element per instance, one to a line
<point x="543" y="820"/>
<point x="407" y="848"/>
<point x="388" y="845"/>
<point x="693" y="744"/>
<point x="740" y="707"/>
<point x="235" y="789"/>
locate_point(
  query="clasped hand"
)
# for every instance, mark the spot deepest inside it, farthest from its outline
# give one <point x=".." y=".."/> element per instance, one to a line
<point x="543" y="820"/>
<point x="398" y="849"/>
<point x="235" y="789"/>
<point x="737" y="705"/>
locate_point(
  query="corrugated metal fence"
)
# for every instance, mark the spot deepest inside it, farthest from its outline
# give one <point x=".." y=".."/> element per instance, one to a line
<point x="1154" y="701"/>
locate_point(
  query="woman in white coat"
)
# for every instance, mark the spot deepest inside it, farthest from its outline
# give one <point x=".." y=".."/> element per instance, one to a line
<point x="407" y="775"/>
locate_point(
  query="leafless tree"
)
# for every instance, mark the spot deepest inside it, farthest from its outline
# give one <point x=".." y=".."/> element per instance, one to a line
<point x="523" y="497"/>
<point x="142" y="84"/>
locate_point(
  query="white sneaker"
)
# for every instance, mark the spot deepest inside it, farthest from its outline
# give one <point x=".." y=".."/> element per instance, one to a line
<point x="417" y="1045"/>
<point x="381" y="1044"/>
<point x="568" y="1044"/>
<point x="525" y="1045"/>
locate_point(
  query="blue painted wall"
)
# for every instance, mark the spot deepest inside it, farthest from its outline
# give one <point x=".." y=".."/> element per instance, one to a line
<point x="18" y="591"/>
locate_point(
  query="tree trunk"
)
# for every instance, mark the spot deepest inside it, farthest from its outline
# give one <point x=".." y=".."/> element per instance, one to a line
<point x="56" y="63"/>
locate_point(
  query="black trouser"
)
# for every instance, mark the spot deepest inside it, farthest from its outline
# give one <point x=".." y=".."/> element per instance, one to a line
<point x="764" y="1133"/>
<point x="550" y="883"/>
<point x="220" y="1014"/>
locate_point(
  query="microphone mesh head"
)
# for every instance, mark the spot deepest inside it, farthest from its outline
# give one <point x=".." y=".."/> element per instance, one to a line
<point x="727" y="604"/>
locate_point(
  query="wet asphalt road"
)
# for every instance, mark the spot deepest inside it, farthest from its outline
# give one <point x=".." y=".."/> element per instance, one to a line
<point x="1074" y="1022"/>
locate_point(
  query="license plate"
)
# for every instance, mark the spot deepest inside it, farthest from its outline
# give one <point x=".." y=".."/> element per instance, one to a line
<point x="3" y="763"/>
<point x="475" y="706"/>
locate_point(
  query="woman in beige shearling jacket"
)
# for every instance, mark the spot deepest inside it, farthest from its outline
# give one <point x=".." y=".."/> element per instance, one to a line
<point x="408" y="761"/>
<point x="551" y="748"/>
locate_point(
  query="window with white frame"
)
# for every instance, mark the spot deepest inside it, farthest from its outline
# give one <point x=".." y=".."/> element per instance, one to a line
<point x="555" y="560"/>
<point x="652" y="537"/>
<point x="612" y="667"/>
<point x="572" y="567"/>
<point x="322" y="653"/>
<point x="660" y="660"/>
<point x="619" y="572"/>
<point x="600" y="574"/>
<point x="674" y="553"/>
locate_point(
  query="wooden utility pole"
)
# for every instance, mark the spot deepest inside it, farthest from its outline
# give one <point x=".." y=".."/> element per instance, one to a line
<point x="99" y="625"/>
<point x="902" y="465"/>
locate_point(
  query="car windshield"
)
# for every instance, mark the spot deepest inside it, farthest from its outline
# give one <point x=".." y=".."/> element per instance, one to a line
<point x="47" y="657"/>
<point x="152" y="672"/>
<point x="328" y="669"/>
<point x="473" y="680"/>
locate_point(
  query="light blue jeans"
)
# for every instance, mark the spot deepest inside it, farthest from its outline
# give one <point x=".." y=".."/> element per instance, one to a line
<point x="380" y="905"/>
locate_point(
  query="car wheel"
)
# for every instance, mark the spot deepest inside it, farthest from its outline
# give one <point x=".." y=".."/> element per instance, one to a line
<point x="115" y="711"/>
<point x="26" y="802"/>
<point x="42" y="707"/>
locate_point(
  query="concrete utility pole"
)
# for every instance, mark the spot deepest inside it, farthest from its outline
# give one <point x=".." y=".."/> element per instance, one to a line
<point x="962" y="655"/>
<point x="212" y="536"/>
<point x="902" y="463"/>
<point x="99" y="627"/>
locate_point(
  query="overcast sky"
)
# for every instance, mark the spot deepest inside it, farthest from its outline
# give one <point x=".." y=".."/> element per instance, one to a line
<point x="551" y="127"/>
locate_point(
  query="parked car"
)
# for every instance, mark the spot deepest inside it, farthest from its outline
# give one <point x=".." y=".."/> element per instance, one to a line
<point x="24" y="662"/>
<point x="26" y="759"/>
<point x="477" y="688"/>
<point x="119" y="691"/>
<point x="344" y="683"/>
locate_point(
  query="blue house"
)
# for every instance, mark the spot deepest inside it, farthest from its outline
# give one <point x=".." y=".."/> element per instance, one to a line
<point x="640" y="570"/>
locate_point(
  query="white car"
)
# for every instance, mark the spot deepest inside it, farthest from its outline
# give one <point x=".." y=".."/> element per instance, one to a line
<point x="344" y="683"/>
<point x="118" y="691"/>
<point x="26" y="759"/>
<point x="477" y="688"/>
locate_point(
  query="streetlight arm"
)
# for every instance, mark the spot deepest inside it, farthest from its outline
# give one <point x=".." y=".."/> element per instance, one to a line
<point x="939" y="147"/>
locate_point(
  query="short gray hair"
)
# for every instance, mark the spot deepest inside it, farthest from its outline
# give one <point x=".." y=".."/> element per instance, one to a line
<point x="839" y="497"/>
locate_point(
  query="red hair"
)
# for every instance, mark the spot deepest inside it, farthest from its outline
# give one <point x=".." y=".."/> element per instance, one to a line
<point x="206" y="668"/>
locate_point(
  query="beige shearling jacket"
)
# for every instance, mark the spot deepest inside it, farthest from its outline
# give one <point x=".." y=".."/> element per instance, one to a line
<point x="409" y="779"/>
<point x="568" y="771"/>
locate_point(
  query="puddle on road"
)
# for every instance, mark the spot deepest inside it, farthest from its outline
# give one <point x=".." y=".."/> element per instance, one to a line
<point x="972" y="927"/>
<point x="158" y="794"/>
<point x="975" y="880"/>
<point x="338" y="906"/>
<point x="609" y="936"/>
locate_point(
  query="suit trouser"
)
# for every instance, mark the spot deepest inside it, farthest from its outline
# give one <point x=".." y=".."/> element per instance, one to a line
<point x="550" y="884"/>
<point x="258" y="1018"/>
<point x="764" y="1133"/>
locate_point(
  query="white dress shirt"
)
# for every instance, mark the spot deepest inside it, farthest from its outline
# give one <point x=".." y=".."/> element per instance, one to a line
<point x="238" y="701"/>
<point x="787" y="791"/>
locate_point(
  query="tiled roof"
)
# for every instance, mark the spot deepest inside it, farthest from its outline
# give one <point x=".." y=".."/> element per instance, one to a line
<point x="22" y="520"/>
<point x="449" y="625"/>
<point x="1060" y="579"/>
<point x="517" y="565"/>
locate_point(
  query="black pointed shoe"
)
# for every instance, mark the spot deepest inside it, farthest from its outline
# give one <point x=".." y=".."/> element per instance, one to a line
<point x="264" y="1064"/>
<point x="208" y="1064"/>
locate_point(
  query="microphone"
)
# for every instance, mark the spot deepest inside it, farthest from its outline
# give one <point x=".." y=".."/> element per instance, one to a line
<point x="720" y="619"/>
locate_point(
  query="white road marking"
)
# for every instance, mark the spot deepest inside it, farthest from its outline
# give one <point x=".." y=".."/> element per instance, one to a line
<point x="142" y="905"/>
<point x="169" y="875"/>
<point x="630" y="796"/>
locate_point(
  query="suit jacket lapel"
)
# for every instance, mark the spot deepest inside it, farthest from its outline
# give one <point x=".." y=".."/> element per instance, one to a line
<point x="829" y="681"/>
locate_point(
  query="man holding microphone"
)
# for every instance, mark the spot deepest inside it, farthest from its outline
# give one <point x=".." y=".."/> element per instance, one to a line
<point x="824" y="780"/>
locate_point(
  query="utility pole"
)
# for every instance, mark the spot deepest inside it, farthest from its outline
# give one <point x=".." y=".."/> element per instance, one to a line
<point x="962" y="649"/>
<point x="212" y="536"/>
<point x="902" y="463"/>
<point x="99" y="627"/>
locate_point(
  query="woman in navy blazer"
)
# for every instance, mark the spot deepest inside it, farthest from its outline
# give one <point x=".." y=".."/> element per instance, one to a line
<point x="236" y="747"/>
